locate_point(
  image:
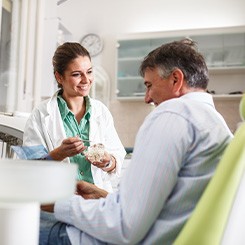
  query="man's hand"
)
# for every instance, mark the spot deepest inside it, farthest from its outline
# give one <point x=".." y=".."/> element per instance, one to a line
<point x="90" y="191"/>
<point x="48" y="208"/>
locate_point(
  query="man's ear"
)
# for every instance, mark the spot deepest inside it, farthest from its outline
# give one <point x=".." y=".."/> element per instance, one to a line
<point x="178" y="80"/>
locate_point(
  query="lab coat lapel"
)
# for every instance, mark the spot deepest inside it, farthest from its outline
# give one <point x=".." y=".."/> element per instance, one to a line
<point x="53" y="123"/>
<point x="94" y="131"/>
<point x="95" y="124"/>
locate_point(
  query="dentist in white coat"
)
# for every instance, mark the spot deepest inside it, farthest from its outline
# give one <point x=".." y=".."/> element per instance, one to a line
<point x="70" y="121"/>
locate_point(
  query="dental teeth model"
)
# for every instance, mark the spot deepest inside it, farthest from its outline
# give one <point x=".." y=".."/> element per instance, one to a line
<point x="95" y="153"/>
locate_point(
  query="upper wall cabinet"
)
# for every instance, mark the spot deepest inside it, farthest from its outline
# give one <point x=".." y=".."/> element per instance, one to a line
<point x="223" y="49"/>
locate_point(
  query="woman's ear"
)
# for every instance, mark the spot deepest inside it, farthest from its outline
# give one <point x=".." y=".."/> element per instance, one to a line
<point x="58" y="77"/>
<point x="178" y="81"/>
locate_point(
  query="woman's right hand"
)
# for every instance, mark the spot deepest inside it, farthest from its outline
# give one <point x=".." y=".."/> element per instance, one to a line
<point x="69" y="147"/>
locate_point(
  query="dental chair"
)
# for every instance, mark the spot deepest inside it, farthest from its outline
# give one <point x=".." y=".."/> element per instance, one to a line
<point x="242" y="107"/>
<point x="219" y="217"/>
<point x="11" y="133"/>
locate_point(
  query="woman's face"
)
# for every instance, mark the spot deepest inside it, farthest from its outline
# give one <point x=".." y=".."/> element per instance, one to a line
<point x="78" y="77"/>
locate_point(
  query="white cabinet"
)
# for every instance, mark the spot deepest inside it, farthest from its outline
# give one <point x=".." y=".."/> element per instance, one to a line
<point x="223" y="49"/>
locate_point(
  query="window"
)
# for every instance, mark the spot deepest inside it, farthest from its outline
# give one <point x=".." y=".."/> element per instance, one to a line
<point x="5" y="40"/>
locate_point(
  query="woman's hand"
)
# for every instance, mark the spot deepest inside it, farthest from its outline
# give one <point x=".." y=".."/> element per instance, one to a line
<point x="107" y="160"/>
<point x="102" y="163"/>
<point x="68" y="148"/>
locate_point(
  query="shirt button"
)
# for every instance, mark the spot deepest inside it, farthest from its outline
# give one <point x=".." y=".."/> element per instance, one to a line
<point x="82" y="173"/>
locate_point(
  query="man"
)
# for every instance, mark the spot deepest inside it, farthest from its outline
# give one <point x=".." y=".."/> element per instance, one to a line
<point x="176" y="152"/>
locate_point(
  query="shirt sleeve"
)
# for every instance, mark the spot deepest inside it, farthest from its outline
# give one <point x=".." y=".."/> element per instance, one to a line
<point x="127" y="215"/>
<point x="33" y="134"/>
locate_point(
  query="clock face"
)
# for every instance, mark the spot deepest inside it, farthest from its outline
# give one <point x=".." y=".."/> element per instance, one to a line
<point x="93" y="43"/>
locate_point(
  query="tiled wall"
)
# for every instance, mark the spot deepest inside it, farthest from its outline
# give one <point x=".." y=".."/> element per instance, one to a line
<point x="230" y="111"/>
<point x="129" y="115"/>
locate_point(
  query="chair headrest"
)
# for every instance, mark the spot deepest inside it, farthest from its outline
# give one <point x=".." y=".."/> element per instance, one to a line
<point x="242" y="107"/>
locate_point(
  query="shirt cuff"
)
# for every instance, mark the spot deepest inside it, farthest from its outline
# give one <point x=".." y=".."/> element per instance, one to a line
<point x="46" y="157"/>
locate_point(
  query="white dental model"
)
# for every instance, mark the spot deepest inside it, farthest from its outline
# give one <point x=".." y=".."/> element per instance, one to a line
<point x="95" y="153"/>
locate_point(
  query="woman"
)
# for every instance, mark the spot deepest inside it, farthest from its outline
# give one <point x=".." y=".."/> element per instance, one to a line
<point x="70" y="121"/>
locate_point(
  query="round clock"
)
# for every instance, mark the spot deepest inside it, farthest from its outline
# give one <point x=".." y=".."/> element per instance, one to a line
<point x="93" y="43"/>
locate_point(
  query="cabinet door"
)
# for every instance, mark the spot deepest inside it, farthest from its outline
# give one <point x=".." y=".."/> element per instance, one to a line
<point x="130" y="55"/>
<point x="222" y="50"/>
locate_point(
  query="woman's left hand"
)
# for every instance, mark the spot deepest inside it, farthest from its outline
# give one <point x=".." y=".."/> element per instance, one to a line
<point x="103" y="162"/>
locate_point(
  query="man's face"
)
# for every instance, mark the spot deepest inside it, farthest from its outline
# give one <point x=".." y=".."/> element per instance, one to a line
<point x="157" y="89"/>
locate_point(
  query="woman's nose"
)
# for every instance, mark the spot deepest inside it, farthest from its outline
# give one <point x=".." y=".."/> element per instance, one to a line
<point x="85" y="78"/>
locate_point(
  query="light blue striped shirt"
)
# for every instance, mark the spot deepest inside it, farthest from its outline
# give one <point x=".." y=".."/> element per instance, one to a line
<point x="176" y="151"/>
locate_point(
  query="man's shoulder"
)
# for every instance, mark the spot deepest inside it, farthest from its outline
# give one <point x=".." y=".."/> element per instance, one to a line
<point x="175" y="104"/>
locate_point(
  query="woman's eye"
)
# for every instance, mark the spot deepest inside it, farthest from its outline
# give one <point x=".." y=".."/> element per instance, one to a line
<point x="90" y="72"/>
<point x="76" y="74"/>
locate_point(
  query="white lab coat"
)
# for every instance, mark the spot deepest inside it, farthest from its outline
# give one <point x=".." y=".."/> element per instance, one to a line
<point x="45" y="127"/>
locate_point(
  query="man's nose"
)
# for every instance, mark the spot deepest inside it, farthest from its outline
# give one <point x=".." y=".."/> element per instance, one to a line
<point x="148" y="99"/>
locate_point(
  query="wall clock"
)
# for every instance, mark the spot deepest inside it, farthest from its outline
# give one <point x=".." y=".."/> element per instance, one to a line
<point x="93" y="43"/>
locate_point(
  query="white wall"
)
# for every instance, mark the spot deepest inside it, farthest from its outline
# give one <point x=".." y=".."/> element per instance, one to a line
<point x="126" y="16"/>
<point x="112" y="19"/>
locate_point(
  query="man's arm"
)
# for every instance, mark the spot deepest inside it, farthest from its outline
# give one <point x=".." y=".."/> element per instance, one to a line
<point x="84" y="189"/>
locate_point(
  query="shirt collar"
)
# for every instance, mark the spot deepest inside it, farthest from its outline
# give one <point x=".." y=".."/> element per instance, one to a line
<point x="64" y="110"/>
<point x="200" y="96"/>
